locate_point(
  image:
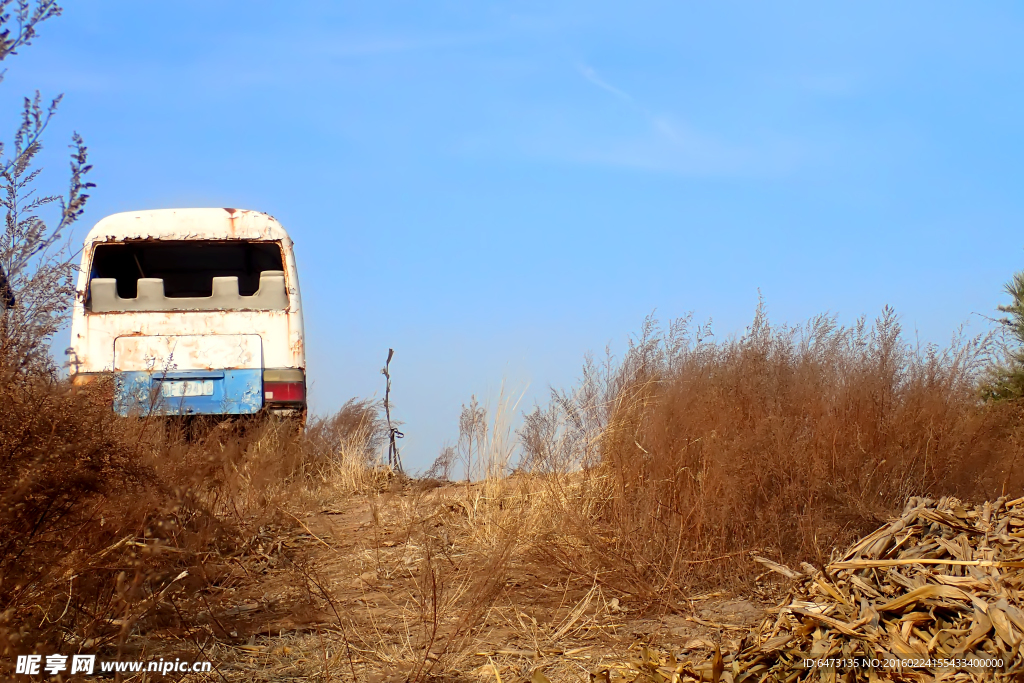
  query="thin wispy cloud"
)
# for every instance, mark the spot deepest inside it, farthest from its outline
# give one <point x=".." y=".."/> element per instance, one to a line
<point x="591" y="75"/>
<point x="667" y="143"/>
<point x="662" y="124"/>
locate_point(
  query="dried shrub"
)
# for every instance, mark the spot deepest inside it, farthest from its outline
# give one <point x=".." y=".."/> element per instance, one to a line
<point x="786" y="441"/>
<point x="343" y="450"/>
<point x="81" y="516"/>
<point x="113" y="528"/>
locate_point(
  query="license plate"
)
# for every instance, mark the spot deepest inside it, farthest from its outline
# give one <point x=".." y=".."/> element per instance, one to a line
<point x="189" y="387"/>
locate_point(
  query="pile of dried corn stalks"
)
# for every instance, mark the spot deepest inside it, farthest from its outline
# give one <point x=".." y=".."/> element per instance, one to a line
<point x="942" y="582"/>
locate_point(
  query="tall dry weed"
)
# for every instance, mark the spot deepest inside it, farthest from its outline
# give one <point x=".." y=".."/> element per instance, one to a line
<point x="692" y="452"/>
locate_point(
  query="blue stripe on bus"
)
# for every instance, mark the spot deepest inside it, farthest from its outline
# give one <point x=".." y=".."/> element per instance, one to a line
<point x="233" y="392"/>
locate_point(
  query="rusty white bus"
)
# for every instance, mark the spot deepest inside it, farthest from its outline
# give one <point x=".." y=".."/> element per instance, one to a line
<point x="193" y="312"/>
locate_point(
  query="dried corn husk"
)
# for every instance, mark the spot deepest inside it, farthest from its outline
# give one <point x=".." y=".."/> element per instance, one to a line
<point x="943" y="582"/>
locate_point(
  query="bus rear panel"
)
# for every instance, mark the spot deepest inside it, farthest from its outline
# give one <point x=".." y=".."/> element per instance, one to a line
<point x="193" y="312"/>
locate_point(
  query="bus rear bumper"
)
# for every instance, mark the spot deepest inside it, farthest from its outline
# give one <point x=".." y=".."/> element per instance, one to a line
<point x="189" y="392"/>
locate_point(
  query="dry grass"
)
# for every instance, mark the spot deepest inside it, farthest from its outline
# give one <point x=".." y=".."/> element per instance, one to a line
<point x="788" y="442"/>
<point x="649" y="482"/>
<point x="111" y="528"/>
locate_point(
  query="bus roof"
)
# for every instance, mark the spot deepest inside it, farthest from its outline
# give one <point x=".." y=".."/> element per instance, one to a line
<point x="187" y="224"/>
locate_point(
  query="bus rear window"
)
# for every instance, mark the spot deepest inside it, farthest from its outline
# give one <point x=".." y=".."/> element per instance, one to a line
<point x="187" y="275"/>
<point x="186" y="267"/>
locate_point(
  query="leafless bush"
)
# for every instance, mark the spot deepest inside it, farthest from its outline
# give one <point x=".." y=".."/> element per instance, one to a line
<point x="35" y="259"/>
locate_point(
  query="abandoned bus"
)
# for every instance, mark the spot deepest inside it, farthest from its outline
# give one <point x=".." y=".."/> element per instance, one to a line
<point x="193" y="312"/>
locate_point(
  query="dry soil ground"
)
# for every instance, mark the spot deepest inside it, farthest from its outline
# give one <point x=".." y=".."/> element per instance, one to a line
<point x="381" y="588"/>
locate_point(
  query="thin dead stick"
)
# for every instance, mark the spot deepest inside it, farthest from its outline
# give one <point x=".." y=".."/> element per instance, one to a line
<point x="532" y="654"/>
<point x="713" y="559"/>
<point x="394" y="459"/>
<point x="100" y="555"/>
<point x="707" y="596"/>
<point x="326" y="544"/>
<point x="715" y="624"/>
<point x="574" y="614"/>
<point x="865" y="564"/>
<point x="494" y="668"/>
<point x="330" y="601"/>
<point x="776" y="567"/>
<point x="195" y="641"/>
<point x="323" y="648"/>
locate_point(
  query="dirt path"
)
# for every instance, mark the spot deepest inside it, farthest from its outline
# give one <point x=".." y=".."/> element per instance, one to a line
<point x="376" y="589"/>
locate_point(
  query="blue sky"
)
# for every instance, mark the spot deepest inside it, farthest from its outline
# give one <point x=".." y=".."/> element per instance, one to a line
<point x="495" y="188"/>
